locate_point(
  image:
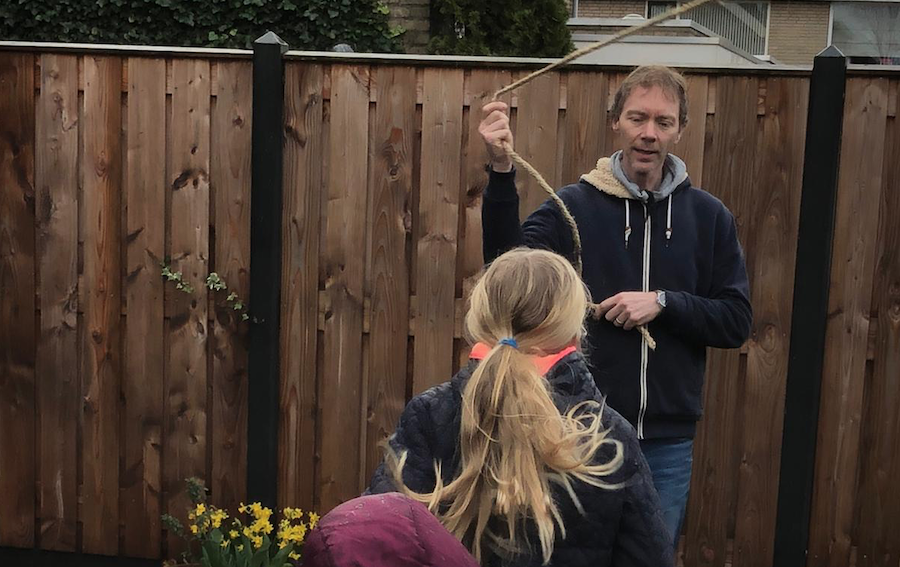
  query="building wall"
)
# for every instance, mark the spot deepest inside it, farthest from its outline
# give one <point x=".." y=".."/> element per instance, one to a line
<point x="798" y="31"/>
<point x="414" y="16"/>
<point x="610" y="8"/>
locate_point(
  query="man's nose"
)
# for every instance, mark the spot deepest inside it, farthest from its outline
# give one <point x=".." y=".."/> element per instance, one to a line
<point x="649" y="131"/>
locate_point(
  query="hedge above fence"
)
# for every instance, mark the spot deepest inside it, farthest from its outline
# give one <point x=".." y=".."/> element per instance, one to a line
<point x="303" y="24"/>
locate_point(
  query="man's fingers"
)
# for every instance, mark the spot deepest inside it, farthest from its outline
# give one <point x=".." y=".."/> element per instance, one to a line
<point x="607" y="303"/>
<point x="495" y="106"/>
<point x="614" y="314"/>
<point x="499" y="123"/>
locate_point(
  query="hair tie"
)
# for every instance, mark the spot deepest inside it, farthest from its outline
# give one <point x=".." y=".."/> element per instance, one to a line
<point x="509" y="341"/>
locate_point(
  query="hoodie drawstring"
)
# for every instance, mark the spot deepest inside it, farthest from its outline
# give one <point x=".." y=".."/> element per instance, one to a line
<point x="669" y="220"/>
<point x="627" y="222"/>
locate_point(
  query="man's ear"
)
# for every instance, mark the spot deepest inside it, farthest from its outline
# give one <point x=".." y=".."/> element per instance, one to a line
<point x="615" y="125"/>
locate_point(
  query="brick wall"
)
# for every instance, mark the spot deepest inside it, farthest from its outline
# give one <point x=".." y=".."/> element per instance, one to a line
<point x="798" y="31"/>
<point x="610" y="8"/>
<point x="414" y="16"/>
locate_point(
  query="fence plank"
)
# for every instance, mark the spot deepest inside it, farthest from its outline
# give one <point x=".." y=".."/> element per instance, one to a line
<point x="691" y="146"/>
<point x="230" y="178"/>
<point x="387" y="278"/>
<point x="101" y="302"/>
<point x="586" y="126"/>
<point x="56" y="184"/>
<point x="879" y="516"/>
<point x="536" y="125"/>
<point x="142" y="381"/>
<point x="438" y="210"/>
<point x="849" y="304"/>
<point x="482" y="85"/>
<point x="303" y="147"/>
<point x="340" y="418"/>
<point x="17" y="302"/>
<point x="186" y="396"/>
<point x="772" y="242"/>
<point x="732" y="132"/>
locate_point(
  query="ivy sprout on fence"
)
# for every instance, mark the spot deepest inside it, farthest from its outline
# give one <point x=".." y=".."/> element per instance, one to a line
<point x="214" y="282"/>
<point x="176" y="277"/>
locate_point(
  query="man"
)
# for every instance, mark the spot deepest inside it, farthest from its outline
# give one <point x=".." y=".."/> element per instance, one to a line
<point x="657" y="251"/>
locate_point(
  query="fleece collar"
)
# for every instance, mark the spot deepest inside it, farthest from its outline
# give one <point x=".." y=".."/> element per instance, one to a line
<point x="609" y="178"/>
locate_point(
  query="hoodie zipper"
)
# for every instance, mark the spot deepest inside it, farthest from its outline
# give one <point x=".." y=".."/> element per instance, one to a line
<point x="645" y="286"/>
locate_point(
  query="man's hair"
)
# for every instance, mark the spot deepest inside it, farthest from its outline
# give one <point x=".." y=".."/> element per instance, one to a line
<point x="648" y="76"/>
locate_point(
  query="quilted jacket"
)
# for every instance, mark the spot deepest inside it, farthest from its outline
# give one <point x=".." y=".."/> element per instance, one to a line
<point x="622" y="527"/>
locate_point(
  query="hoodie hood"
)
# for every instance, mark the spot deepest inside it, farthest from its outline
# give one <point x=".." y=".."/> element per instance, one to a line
<point x="610" y="178"/>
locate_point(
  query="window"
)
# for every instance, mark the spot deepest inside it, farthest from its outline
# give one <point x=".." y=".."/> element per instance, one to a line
<point x="867" y="32"/>
<point x="656" y="8"/>
<point x="745" y="24"/>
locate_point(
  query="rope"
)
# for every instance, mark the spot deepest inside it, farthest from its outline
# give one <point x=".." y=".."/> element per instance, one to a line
<point x="603" y="43"/>
<point x="520" y="161"/>
<point x="570" y="220"/>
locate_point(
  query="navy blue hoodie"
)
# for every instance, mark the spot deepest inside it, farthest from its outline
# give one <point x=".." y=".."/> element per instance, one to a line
<point x="684" y="244"/>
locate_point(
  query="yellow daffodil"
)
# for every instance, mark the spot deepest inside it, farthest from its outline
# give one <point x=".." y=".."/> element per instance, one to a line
<point x="233" y="534"/>
<point x="294" y="555"/>
<point x="217" y="517"/>
<point x="201" y="509"/>
<point x="225" y="543"/>
<point x="194" y="529"/>
<point x="313" y="519"/>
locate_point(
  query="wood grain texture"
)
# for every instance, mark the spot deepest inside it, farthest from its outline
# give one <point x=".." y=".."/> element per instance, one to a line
<point x="481" y="86"/>
<point x="56" y="183"/>
<point x="303" y="193"/>
<point x="387" y="234"/>
<point x="879" y="507"/>
<point x="230" y="184"/>
<point x="17" y="301"/>
<point x="344" y="258"/>
<point x="691" y="147"/>
<point x="849" y="307"/>
<point x="586" y="125"/>
<point x="771" y="247"/>
<point x="437" y="236"/>
<point x="101" y="302"/>
<point x="535" y="138"/>
<point x="713" y="484"/>
<point x="186" y="435"/>
<point x="142" y="382"/>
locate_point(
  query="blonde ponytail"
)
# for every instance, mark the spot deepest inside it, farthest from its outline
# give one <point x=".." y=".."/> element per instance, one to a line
<point x="513" y="440"/>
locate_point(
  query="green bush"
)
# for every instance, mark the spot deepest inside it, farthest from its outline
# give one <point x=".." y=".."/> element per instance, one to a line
<point x="530" y="28"/>
<point x="303" y="24"/>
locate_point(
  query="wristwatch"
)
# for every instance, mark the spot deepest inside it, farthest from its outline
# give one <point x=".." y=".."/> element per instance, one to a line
<point x="661" y="298"/>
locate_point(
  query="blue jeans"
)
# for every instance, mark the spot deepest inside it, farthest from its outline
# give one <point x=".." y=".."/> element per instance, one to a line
<point x="670" y="463"/>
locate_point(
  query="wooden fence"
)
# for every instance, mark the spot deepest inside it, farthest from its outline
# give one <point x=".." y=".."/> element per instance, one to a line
<point x="114" y="386"/>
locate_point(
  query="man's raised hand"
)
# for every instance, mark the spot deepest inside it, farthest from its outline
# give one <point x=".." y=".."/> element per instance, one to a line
<point x="494" y="130"/>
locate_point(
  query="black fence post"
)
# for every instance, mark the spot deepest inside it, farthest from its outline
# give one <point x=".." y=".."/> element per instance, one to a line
<point x="810" y="310"/>
<point x="265" y="268"/>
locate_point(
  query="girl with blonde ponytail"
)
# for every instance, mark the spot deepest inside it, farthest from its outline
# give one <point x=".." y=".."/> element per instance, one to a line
<point x="517" y="455"/>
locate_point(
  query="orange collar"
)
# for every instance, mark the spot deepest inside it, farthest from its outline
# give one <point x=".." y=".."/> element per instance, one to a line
<point x="543" y="363"/>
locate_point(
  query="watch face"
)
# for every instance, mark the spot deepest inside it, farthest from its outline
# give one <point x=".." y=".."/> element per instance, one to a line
<point x="661" y="298"/>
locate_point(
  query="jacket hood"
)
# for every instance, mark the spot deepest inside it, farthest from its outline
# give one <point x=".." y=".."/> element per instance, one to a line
<point x="610" y="178"/>
<point x="383" y="530"/>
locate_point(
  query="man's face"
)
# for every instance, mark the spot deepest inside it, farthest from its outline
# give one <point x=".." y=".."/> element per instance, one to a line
<point x="646" y="130"/>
